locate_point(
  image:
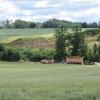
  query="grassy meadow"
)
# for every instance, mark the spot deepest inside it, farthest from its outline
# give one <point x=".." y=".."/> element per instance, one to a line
<point x="9" y="35"/>
<point x="34" y="81"/>
<point x="30" y="81"/>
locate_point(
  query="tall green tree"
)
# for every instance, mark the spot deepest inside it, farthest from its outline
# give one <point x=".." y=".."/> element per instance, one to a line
<point x="99" y="53"/>
<point x="60" y="44"/>
<point x="84" y="25"/>
<point x="78" y="44"/>
<point x="2" y="49"/>
<point x="95" y="52"/>
<point x="84" y="51"/>
<point x="21" y="24"/>
<point x="7" y="23"/>
<point x="32" y="25"/>
<point x="90" y="55"/>
<point x="80" y="47"/>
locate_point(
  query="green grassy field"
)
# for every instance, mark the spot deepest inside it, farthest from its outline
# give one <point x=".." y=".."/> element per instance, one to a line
<point x="8" y="35"/>
<point x="29" y="81"/>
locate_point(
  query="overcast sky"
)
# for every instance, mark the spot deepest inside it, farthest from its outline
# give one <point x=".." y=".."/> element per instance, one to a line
<point x="41" y="10"/>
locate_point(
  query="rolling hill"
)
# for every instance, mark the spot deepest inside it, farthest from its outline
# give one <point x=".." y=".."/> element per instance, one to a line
<point x="9" y="35"/>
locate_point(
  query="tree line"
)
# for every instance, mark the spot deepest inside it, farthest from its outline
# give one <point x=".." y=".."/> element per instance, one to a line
<point x="53" y="23"/>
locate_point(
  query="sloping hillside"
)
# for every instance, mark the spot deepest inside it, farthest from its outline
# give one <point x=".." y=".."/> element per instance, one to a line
<point x="9" y="35"/>
<point x="41" y="42"/>
<point x="34" y="43"/>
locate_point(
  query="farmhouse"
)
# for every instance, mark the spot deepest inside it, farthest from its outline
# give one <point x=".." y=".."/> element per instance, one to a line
<point x="74" y="60"/>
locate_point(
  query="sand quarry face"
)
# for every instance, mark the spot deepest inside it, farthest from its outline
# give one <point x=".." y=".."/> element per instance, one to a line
<point x="34" y="43"/>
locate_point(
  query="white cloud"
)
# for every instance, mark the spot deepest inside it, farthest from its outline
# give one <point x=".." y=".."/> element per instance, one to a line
<point x="45" y="4"/>
<point x="97" y="2"/>
<point x="26" y="12"/>
<point x="91" y="11"/>
<point x="8" y="7"/>
<point x="48" y="9"/>
<point x="41" y="4"/>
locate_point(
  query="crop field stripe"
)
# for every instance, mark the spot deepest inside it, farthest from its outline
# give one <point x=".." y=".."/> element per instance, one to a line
<point x="38" y="32"/>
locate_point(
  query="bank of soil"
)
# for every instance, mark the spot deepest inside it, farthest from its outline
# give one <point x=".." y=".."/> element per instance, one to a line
<point x="34" y="43"/>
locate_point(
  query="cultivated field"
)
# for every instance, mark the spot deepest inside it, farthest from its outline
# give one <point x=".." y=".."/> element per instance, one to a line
<point x="35" y="38"/>
<point x="9" y="35"/>
<point x="29" y="81"/>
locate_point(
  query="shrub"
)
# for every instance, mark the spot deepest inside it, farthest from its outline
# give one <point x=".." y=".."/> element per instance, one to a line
<point x="15" y="54"/>
<point x="92" y="32"/>
<point x="2" y="49"/>
<point x="90" y="55"/>
<point x="35" y="56"/>
<point x="11" y="55"/>
<point x="39" y="54"/>
<point x="47" y="53"/>
<point x="98" y="38"/>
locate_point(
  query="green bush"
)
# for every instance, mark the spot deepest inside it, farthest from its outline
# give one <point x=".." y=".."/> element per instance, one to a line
<point x="92" y="32"/>
<point x="2" y="49"/>
<point x="47" y="53"/>
<point x="94" y="54"/>
<point x="98" y="38"/>
<point x="8" y="53"/>
<point x="11" y="55"/>
<point x="39" y="54"/>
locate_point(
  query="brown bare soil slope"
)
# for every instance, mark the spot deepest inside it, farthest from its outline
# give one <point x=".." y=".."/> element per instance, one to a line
<point x="34" y="43"/>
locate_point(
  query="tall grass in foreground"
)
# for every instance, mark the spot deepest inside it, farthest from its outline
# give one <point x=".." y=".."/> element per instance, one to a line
<point x="29" y="81"/>
<point x="31" y="94"/>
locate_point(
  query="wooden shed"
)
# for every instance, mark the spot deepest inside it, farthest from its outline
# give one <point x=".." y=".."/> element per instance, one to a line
<point x="74" y="60"/>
